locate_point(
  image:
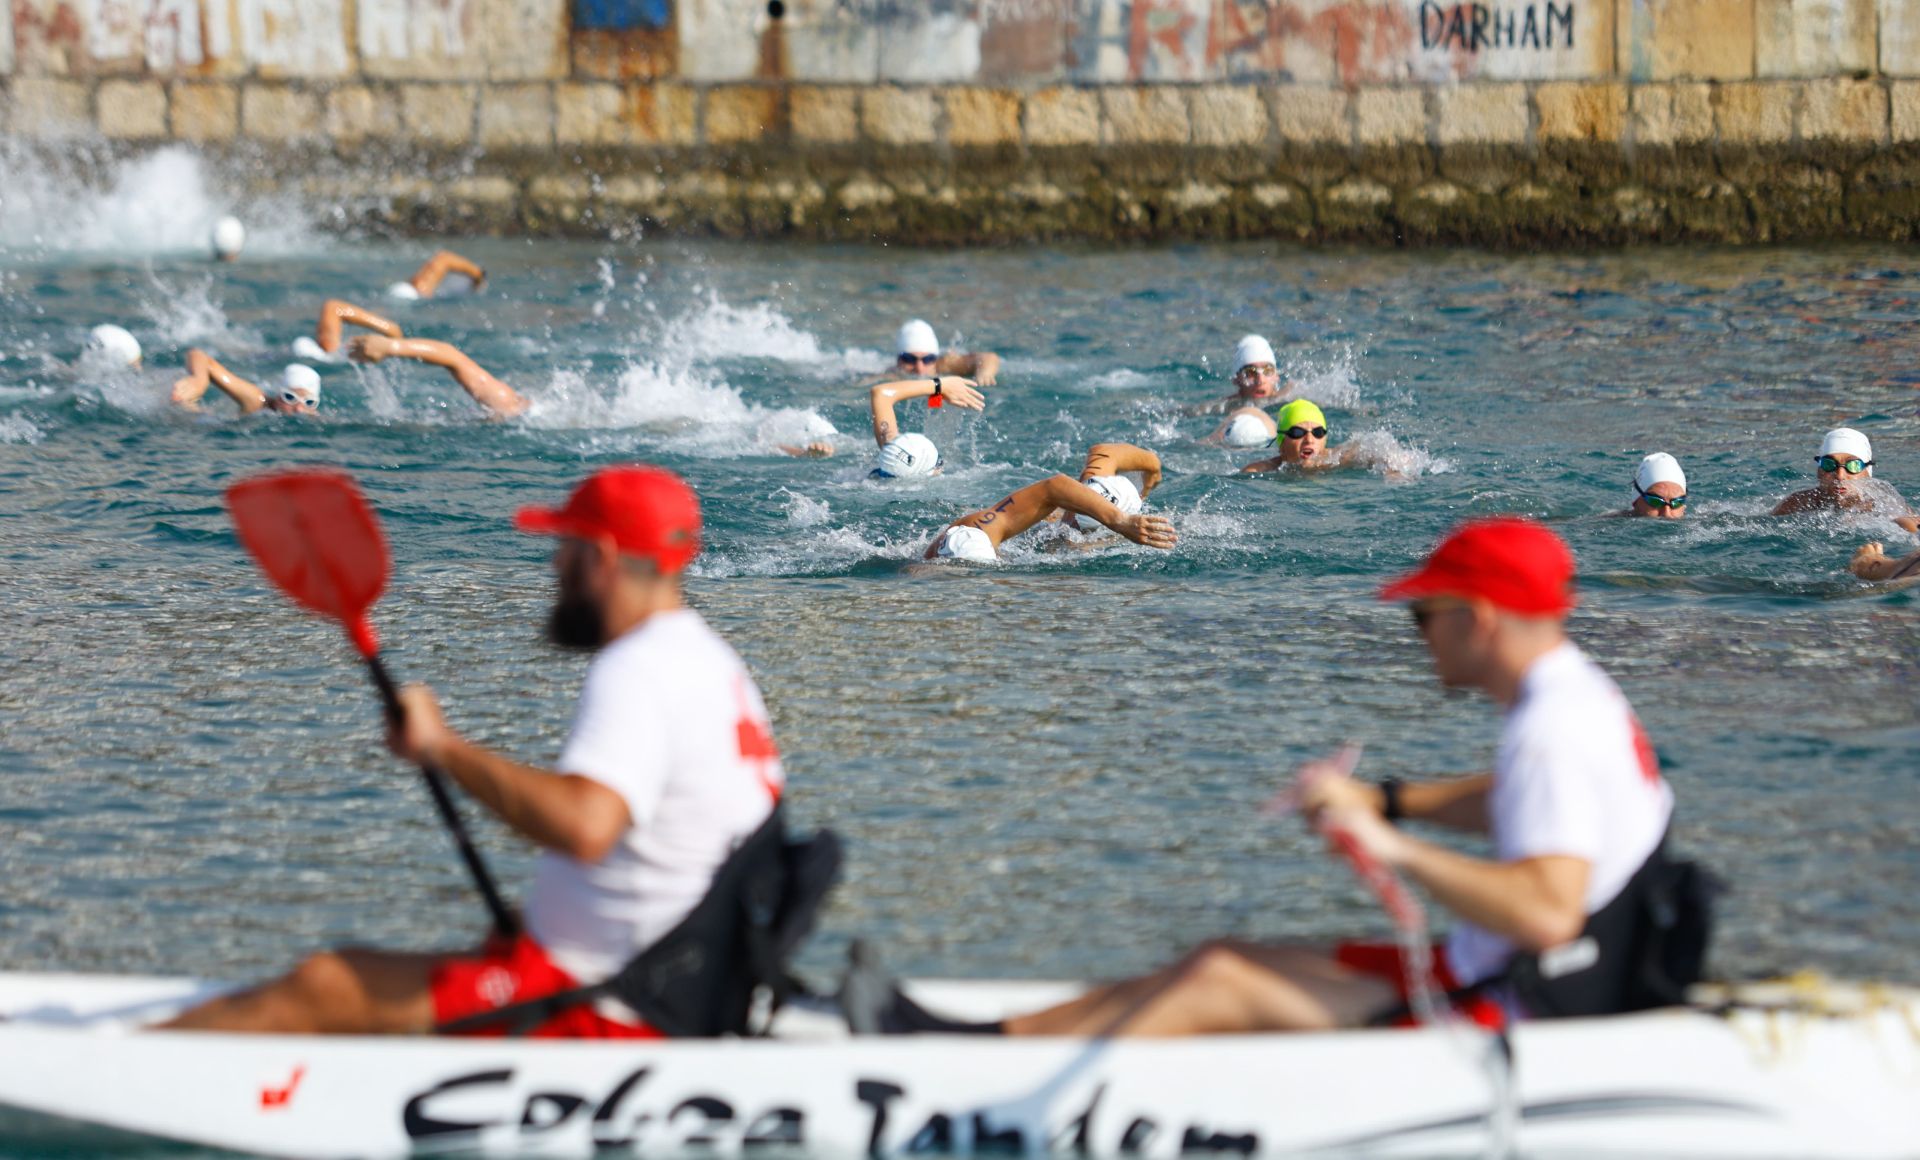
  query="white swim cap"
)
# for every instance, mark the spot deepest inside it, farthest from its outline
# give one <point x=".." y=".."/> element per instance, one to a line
<point x="1117" y="490"/>
<point x="307" y="350"/>
<point x="1246" y="430"/>
<point x="1658" y="468"/>
<point x="907" y="456"/>
<point x="1252" y="349"/>
<point x="964" y="542"/>
<point x="1847" y="441"/>
<point x="300" y="380"/>
<point x="116" y="343"/>
<point x="229" y="236"/>
<point x="916" y="337"/>
<point x="404" y="291"/>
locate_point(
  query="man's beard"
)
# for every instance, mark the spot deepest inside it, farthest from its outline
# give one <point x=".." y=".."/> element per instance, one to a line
<point x="576" y="622"/>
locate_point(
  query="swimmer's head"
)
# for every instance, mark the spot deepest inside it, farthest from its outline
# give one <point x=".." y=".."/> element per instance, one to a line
<point x="907" y="456"/>
<point x="1660" y="487"/>
<point x="964" y="542"/>
<point x="1302" y="432"/>
<point x="1117" y="490"/>
<point x="299" y="389"/>
<point x="1249" y="427"/>
<point x="917" y="348"/>
<point x="1845" y="455"/>
<point x="403" y="292"/>
<point x="228" y="238"/>
<point x="1255" y="371"/>
<point x="115" y="344"/>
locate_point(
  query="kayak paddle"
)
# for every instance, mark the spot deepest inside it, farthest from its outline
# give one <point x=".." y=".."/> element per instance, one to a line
<point x="314" y="536"/>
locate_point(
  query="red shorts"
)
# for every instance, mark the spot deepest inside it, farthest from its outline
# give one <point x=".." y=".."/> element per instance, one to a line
<point x="1385" y="961"/>
<point x="512" y="972"/>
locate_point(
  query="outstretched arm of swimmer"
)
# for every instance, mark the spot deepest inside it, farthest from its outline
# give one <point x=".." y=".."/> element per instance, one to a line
<point x="204" y="370"/>
<point x="335" y="313"/>
<point x="880" y="400"/>
<point x="982" y="367"/>
<point x="1114" y="458"/>
<point x="486" y="390"/>
<point x="1871" y="562"/>
<point x="565" y="812"/>
<point x="434" y="271"/>
<point x="1274" y="464"/>
<point x="1073" y="496"/>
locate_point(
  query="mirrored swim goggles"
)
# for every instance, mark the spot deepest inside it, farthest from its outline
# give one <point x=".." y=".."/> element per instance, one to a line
<point x="1852" y="464"/>
<point x="1656" y="502"/>
<point x="919" y="360"/>
<point x="1297" y="432"/>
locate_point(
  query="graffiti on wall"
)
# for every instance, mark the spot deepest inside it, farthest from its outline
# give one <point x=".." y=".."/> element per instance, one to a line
<point x="405" y="29"/>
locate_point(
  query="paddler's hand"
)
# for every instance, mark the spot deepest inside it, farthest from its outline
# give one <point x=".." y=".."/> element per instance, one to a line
<point x="1327" y="784"/>
<point x="1368" y="830"/>
<point x="422" y="734"/>
<point x="962" y="392"/>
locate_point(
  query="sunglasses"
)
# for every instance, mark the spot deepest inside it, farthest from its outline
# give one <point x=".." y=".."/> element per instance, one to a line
<point x="1303" y="432"/>
<point x="1852" y="464"/>
<point x="919" y="360"/>
<point x="1656" y="502"/>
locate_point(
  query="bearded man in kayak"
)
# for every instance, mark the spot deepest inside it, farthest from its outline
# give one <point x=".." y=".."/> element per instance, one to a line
<point x="1576" y="809"/>
<point x="669" y="765"/>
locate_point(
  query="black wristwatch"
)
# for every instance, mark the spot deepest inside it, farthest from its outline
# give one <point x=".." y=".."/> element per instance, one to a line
<point x="1390" y="800"/>
<point x="936" y="384"/>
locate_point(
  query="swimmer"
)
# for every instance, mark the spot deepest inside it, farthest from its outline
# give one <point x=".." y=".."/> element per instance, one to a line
<point x="912" y="454"/>
<point x="918" y="353"/>
<point x="1103" y="495"/>
<point x="1871" y="562"/>
<point x="1256" y="381"/>
<point x="1660" y="488"/>
<point x="1246" y="428"/>
<point x="434" y="271"/>
<point x="112" y="344"/>
<point x="1302" y="437"/>
<point x="335" y="314"/>
<point x="299" y="392"/>
<point x="496" y="396"/>
<point x="228" y="238"/>
<point x="1845" y="469"/>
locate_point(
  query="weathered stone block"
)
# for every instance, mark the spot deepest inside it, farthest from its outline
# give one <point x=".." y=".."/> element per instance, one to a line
<point x="1755" y="113"/>
<point x="662" y="114"/>
<point x="1672" y="114"/>
<point x="1227" y="115"/>
<point x="283" y="39"/>
<point x="1063" y="116"/>
<point x="356" y="112"/>
<point x="742" y="113"/>
<point x="409" y="40"/>
<point x="1906" y="111"/>
<point x="1691" y="39"/>
<point x="279" y="113"/>
<point x="485" y="190"/>
<point x="1811" y="38"/>
<point x="892" y="116"/>
<point x="634" y="54"/>
<point x="50" y="108"/>
<point x="1309" y="116"/>
<point x="1390" y="116"/>
<point x="589" y="114"/>
<point x="525" y="39"/>
<point x="516" y="116"/>
<point x="981" y="117"/>
<point x="205" y="111"/>
<point x="1900" y="38"/>
<point x="132" y="109"/>
<point x="440" y="114"/>
<point x="1839" y="109"/>
<point x="831" y="46"/>
<point x="1155" y="115"/>
<point x="825" y="116"/>
<point x="1482" y="114"/>
<point x="1581" y="112"/>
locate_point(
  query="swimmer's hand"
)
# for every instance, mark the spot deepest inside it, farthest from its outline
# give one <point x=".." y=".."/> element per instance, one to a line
<point x="370" y="348"/>
<point x="1153" y="531"/>
<point x="1871" y="562"/>
<point x="818" y="449"/>
<point x="188" y="390"/>
<point x="962" y="392"/>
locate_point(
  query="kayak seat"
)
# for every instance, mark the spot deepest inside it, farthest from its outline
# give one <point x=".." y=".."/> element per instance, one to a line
<point x="722" y="970"/>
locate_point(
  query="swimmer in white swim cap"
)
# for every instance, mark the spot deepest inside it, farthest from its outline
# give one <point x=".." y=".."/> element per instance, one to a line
<point x="917" y="352"/>
<point x="1660" y="488"/>
<point x="936" y="390"/>
<point x="1845" y="480"/>
<point x="428" y="278"/>
<point x="1256" y="380"/>
<point x="1246" y="428"/>
<point x="228" y="238"/>
<point x="113" y="344"/>
<point x="297" y="394"/>
<point x="500" y="400"/>
<point x="905" y="457"/>
<point x="335" y="314"/>
<point x="977" y="536"/>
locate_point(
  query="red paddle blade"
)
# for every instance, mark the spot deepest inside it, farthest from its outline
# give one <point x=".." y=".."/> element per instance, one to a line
<point x="313" y="534"/>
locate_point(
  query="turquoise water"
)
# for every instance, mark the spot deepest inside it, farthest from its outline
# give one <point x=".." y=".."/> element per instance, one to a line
<point x="1048" y="768"/>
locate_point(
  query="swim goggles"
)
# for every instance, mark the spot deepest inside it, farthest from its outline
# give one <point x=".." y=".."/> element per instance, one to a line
<point x="1656" y="502"/>
<point x="1852" y="464"/>
<point x="294" y="399"/>
<point x="1301" y="432"/>
<point x="919" y="360"/>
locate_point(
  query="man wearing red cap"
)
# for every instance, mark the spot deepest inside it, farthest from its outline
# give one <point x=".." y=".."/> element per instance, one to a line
<point x="669" y="765"/>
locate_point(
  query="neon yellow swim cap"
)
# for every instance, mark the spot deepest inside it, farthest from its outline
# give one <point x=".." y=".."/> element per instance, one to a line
<point x="1300" y="413"/>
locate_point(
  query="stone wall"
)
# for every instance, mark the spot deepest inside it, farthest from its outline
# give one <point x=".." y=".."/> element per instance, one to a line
<point x="1505" y="122"/>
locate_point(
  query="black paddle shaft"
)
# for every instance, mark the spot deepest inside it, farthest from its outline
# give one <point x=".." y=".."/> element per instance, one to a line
<point x="505" y="923"/>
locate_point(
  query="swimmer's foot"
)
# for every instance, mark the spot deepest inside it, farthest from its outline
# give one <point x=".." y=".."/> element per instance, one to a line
<point x="874" y="1005"/>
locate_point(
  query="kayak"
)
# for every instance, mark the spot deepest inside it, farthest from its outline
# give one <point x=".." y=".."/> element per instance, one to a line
<point x="1789" y="1069"/>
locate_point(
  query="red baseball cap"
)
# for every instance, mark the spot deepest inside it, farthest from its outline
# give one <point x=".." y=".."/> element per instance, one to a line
<point x="648" y="512"/>
<point x="1510" y="562"/>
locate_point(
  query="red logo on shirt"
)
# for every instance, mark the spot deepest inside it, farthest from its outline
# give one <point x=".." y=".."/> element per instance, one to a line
<point x="756" y="742"/>
<point x="1643" y="749"/>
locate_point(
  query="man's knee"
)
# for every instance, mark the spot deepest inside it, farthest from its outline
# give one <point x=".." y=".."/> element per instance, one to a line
<point x="1216" y="962"/>
<point x="327" y="978"/>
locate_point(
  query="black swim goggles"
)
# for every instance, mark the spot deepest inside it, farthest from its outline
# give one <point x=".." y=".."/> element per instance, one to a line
<point x="1656" y="502"/>
<point x="1303" y="432"/>
<point x="918" y="360"/>
<point x="1852" y="464"/>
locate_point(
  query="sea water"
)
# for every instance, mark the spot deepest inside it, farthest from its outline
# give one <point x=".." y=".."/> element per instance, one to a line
<point x="1046" y="768"/>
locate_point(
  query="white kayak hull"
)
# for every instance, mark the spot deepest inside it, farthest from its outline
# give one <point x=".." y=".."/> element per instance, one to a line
<point x="1845" y="1082"/>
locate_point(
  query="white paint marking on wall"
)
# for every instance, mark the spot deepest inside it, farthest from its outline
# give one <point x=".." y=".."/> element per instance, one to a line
<point x="6" y="38"/>
<point x="406" y="29"/>
<point x="296" y="37"/>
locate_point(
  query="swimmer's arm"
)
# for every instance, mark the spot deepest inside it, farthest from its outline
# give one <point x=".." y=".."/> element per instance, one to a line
<point x="486" y="390"/>
<point x="818" y="449"/>
<point x="1259" y="465"/>
<point x="203" y="369"/>
<point x="1796" y="503"/>
<point x="1114" y="458"/>
<point x="880" y="401"/>
<point x="1071" y="495"/>
<point x="982" y="367"/>
<point x="434" y="271"/>
<point x="335" y="314"/>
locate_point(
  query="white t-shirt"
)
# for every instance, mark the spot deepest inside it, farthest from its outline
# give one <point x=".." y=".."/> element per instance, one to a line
<point x="1575" y="776"/>
<point x="670" y="719"/>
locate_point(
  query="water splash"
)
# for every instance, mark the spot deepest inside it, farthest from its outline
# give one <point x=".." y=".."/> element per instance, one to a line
<point x="19" y="429"/>
<point x="1379" y="451"/>
<point x="191" y="315"/>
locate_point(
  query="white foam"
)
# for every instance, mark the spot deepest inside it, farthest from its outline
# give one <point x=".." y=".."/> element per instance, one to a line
<point x="803" y="512"/>
<point x="18" y="429"/>
<point x="1378" y="451"/>
<point x="688" y="411"/>
<point x="191" y="315"/>
<point x="1332" y="385"/>
<point x="1124" y="379"/>
<point x="715" y="329"/>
